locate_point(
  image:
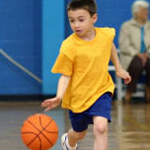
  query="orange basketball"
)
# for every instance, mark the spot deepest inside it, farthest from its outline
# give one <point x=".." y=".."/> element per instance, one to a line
<point x="39" y="132"/>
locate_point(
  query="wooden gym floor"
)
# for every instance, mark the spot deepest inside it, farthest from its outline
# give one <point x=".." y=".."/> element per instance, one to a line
<point x="129" y="130"/>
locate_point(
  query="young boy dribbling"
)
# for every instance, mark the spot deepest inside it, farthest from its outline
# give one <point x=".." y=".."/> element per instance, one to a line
<point x="85" y="86"/>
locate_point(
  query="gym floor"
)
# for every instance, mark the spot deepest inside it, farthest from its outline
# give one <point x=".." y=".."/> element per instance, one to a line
<point x="129" y="130"/>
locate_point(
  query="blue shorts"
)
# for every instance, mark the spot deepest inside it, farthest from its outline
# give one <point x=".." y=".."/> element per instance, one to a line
<point x="102" y="107"/>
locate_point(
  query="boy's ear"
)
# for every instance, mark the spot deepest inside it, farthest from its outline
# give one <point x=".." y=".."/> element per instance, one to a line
<point x="94" y="17"/>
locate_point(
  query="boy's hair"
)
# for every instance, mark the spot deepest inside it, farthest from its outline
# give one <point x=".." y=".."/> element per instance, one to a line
<point x="88" y="5"/>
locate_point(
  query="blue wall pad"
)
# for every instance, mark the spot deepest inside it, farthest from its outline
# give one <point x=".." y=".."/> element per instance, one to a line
<point x="20" y="38"/>
<point x="53" y="35"/>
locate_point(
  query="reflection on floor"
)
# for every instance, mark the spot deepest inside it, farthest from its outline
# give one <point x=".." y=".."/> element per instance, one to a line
<point x="129" y="130"/>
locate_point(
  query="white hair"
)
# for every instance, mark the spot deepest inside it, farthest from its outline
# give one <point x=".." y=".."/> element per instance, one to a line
<point x="138" y="4"/>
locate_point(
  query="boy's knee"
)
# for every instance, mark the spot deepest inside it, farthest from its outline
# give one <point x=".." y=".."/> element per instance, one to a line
<point x="100" y="127"/>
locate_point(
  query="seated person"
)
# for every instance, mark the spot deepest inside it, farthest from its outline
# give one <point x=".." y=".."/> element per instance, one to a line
<point x="134" y="43"/>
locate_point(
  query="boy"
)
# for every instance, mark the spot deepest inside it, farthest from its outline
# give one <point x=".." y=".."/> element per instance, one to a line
<point x="85" y="84"/>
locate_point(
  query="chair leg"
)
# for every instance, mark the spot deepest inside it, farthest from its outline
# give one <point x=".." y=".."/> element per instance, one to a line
<point x="147" y="94"/>
<point x="128" y="95"/>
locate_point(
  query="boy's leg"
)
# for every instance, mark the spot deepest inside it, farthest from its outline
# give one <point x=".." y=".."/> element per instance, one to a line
<point x="74" y="137"/>
<point x="69" y="140"/>
<point x="100" y="132"/>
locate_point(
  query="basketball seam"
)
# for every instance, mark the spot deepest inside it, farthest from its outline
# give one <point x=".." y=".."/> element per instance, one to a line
<point x="47" y="126"/>
<point x="44" y="128"/>
<point x="36" y="135"/>
<point x="28" y="133"/>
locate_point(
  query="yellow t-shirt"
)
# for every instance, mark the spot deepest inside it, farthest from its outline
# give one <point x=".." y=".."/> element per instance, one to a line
<point x="87" y="64"/>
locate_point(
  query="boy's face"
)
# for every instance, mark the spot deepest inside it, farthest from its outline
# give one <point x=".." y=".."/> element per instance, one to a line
<point x="81" y="21"/>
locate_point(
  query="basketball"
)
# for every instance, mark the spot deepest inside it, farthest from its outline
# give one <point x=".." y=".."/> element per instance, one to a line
<point x="39" y="132"/>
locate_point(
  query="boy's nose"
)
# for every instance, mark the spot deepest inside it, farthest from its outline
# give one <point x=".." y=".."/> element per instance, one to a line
<point x="76" y="24"/>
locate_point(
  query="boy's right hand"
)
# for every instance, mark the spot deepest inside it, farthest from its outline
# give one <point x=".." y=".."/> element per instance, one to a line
<point x="51" y="103"/>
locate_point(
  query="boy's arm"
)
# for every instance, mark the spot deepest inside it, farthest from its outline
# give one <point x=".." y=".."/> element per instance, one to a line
<point x="62" y="86"/>
<point x="119" y="71"/>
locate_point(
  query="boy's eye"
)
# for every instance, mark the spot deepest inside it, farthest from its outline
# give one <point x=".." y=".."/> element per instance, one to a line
<point x="71" y="21"/>
<point x="81" y="20"/>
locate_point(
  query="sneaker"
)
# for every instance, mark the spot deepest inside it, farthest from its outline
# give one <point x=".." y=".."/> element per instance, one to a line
<point x="63" y="142"/>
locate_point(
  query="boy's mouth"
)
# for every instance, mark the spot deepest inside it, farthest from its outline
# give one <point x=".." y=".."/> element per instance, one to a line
<point x="78" y="31"/>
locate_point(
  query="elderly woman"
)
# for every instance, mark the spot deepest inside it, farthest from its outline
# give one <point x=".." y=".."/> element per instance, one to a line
<point x="134" y="42"/>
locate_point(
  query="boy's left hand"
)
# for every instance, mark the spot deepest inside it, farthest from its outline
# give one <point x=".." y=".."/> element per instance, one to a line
<point x="121" y="73"/>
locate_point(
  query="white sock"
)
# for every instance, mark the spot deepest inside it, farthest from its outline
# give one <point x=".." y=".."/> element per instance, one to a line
<point x="70" y="147"/>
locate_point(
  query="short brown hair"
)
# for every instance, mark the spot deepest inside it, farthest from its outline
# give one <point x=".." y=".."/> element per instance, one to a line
<point x="88" y="5"/>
